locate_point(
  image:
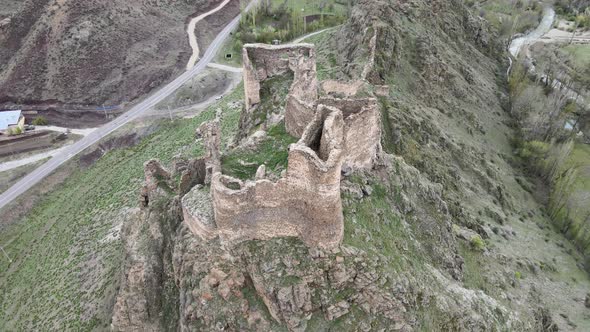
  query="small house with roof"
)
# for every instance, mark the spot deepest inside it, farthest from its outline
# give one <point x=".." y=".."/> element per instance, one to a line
<point x="10" y="120"/>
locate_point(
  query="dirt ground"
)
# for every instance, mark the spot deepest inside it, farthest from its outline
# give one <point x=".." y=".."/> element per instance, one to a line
<point x="12" y="148"/>
<point x="561" y="34"/>
<point x="211" y="83"/>
<point x="8" y="7"/>
<point x="79" y="119"/>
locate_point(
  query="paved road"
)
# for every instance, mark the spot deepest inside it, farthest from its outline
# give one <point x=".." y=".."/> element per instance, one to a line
<point x="44" y="170"/>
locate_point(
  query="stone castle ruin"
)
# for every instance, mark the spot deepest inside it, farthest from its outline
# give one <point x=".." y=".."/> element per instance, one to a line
<point x="306" y="201"/>
<point x="362" y="117"/>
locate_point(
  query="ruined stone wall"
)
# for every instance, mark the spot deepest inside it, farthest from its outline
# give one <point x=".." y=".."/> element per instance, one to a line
<point x="344" y="89"/>
<point x="305" y="203"/>
<point x="262" y="62"/>
<point x="362" y="129"/>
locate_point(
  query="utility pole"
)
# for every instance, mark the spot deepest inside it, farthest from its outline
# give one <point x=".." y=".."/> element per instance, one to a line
<point x="575" y="27"/>
<point x="170" y="112"/>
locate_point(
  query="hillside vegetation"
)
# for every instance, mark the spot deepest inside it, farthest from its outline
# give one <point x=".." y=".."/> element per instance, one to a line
<point x="509" y="16"/>
<point x="553" y="130"/>
<point x="444" y="234"/>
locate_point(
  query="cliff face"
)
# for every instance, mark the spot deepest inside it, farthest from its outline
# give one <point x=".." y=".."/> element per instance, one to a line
<point x="437" y="235"/>
<point x="92" y="52"/>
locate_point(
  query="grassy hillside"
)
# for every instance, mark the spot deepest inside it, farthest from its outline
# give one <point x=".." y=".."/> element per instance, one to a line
<point x="66" y="253"/>
<point x="580" y="54"/>
<point x="446" y="229"/>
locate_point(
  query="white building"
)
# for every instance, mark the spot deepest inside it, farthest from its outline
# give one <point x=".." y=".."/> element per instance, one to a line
<point x="10" y="120"/>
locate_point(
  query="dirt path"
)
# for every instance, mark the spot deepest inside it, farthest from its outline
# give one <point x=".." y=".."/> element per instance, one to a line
<point x="225" y="67"/>
<point x="29" y="160"/>
<point x="43" y="155"/>
<point x="302" y="38"/>
<point x="83" y="132"/>
<point x="560" y="36"/>
<point x="192" y="37"/>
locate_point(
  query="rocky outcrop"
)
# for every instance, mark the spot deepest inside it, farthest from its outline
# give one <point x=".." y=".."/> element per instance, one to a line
<point x="145" y="284"/>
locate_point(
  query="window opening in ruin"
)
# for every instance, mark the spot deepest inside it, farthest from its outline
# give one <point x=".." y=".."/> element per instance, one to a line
<point x="316" y="142"/>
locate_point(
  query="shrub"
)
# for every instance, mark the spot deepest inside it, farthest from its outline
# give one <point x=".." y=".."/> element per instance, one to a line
<point x="14" y="131"/>
<point x="518" y="275"/>
<point x="40" y="121"/>
<point x="478" y="243"/>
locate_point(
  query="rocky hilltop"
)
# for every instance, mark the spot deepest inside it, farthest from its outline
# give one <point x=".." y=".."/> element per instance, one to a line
<point x="441" y="232"/>
<point x="94" y="52"/>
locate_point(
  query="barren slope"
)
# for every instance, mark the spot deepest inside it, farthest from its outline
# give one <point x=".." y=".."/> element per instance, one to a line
<point x="92" y="52"/>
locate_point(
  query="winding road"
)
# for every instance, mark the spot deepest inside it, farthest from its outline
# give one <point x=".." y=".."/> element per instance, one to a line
<point x="69" y="152"/>
<point x="192" y="36"/>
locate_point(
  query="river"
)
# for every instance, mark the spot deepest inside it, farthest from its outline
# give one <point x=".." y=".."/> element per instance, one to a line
<point x="546" y="24"/>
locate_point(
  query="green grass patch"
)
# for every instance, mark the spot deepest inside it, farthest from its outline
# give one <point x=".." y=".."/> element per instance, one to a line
<point x="569" y="197"/>
<point x="473" y="277"/>
<point x="372" y="225"/>
<point x="477" y="243"/>
<point x="272" y="152"/>
<point x="580" y="54"/>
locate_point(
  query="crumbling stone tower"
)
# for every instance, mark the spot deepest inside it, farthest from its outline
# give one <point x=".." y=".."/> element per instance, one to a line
<point x="305" y="203"/>
<point x="262" y="62"/>
<point x="362" y="117"/>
